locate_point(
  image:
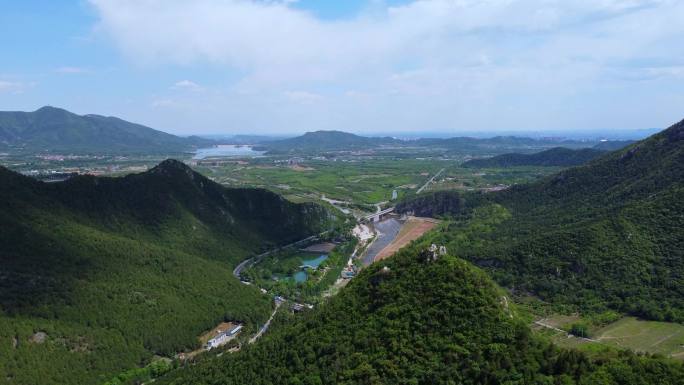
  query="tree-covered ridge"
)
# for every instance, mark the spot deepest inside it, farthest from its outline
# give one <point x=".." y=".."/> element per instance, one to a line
<point x="55" y="129"/>
<point x="325" y="141"/>
<point x="558" y="157"/>
<point x="114" y="270"/>
<point x="602" y="235"/>
<point x="331" y="141"/>
<point x="417" y="320"/>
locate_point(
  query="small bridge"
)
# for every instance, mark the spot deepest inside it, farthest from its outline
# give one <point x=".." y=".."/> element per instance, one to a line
<point x="377" y="216"/>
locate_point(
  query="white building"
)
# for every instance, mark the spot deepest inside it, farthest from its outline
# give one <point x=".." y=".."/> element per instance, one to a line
<point x="223" y="337"/>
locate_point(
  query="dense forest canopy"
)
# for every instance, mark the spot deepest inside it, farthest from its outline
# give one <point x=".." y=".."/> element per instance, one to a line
<point x="419" y="318"/>
<point x="114" y="270"/>
<point x="603" y="235"/>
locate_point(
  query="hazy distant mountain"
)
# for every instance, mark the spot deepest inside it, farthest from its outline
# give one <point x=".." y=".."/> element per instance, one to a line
<point x="325" y="141"/>
<point x="55" y="129"/>
<point x="612" y="145"/>
<point x="558" y="156"/>
<point x="500" y="144"/>
<point x="243" y="139"/>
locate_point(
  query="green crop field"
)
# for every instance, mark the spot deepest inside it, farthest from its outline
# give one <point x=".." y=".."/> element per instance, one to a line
<point x="361" y="180"/>
<point x="631" y="333"/>
<point x="358" y="181"/>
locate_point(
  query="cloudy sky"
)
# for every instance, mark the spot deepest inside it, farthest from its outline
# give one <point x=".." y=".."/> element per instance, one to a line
<point x="278" y="66"/>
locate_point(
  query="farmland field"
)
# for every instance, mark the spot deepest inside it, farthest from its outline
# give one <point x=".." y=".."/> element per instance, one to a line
<point x="361" y="181"/>
<point x="648" y="336"/>
<point x="664" y="338"/>
<point x="357" y="181"/>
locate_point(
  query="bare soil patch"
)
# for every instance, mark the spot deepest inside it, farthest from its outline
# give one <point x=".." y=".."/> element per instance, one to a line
<point x="324" y="247"/>
<point x="413" y="229"/>
<point x="220" y="328"/>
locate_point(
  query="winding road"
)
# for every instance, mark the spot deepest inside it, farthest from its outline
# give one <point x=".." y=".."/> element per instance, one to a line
<point x="251" y="261"/>
<point x="266" y="325"/>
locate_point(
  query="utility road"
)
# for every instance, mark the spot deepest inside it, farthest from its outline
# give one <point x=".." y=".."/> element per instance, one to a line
<point x="429" y="181"/>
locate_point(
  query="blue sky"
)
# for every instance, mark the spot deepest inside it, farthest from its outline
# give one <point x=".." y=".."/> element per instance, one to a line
<point x="274" y="66"/>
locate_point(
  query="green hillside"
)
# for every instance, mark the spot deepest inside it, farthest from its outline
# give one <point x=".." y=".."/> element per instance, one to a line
<point x="55" y="129"/>
<point x="412" y="320"/>
<point x="603" y="235"/>
<point x="558" y="157"/>
<point x="114" y="270"/>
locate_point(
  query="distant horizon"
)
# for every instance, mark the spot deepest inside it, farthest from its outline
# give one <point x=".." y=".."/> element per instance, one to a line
<point x="576" y="134"/>
<point x="587" y="134"/>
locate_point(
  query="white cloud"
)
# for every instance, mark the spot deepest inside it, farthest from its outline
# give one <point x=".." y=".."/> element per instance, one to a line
<point x="164" y="103"/>
<point x="187" y="85"/>
<point x="14" y="86"/>
<point x="303" y="97"/>
<point x="441" y="62"/>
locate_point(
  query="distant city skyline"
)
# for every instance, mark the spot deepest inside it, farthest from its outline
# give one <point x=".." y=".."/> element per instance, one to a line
<point x="413" y="68"/>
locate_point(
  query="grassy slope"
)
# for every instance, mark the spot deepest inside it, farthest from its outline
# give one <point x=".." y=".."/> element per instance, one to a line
<point x="115" y="270"/>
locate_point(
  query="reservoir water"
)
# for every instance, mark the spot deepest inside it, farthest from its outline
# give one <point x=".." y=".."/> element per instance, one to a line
<point x="302" y="275"/>
<point x="226" y="150"/>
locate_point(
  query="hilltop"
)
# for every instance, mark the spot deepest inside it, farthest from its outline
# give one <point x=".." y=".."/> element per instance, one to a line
<point x="115" y="270"/>
<point x="594" y="237"/>
<point x="56" y="129"/>
<point x="557" y="156"/>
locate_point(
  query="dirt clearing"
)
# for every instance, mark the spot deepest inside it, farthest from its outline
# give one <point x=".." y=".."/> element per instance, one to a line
<point x="412" y="229"/>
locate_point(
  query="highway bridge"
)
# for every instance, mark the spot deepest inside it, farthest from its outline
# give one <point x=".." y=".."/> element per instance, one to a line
<point x="375" y="217"/>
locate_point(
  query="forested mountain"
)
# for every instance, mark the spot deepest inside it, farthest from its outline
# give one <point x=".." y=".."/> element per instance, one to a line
<point x="98" y="274"/>
<point x="415" y="320"/>
<point x="55" y="129"/>
<point x="557" y="156"/>
<point x="603" y="235"/>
